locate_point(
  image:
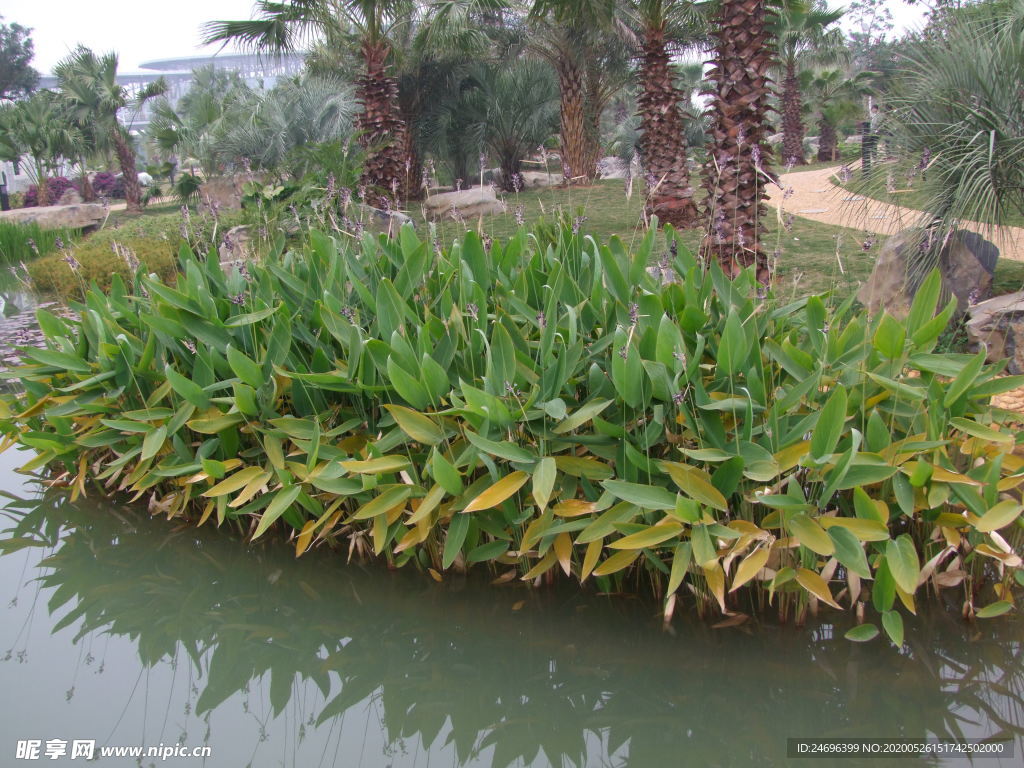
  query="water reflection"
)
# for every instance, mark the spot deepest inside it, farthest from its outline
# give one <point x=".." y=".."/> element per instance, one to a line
<point x="281" y="662"/>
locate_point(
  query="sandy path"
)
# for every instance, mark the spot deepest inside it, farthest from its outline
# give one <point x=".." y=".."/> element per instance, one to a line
<point x="815" y="197"/>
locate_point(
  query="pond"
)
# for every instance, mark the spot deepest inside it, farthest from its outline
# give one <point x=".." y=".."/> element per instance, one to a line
<point x="128" y="630"/>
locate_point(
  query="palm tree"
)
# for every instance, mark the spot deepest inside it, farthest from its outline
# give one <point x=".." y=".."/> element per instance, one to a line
<point x="738" y="166"/>
<point x="832" y="97"/>
<point x="514" y="107"/>
<point x="89" y="85"/>
<point x="281" y="26"/>
<point x="586" y="42"/>
<point x="957" y="107"/>
<point x="663" y="138"/>
<point x="37" y="127"/>
<point x="802" y="27"/>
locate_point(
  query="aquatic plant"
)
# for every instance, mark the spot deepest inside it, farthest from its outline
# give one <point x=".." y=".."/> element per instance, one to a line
<point x="545" y="405"/>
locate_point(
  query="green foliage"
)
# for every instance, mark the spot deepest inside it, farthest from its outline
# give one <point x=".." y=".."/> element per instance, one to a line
<point x="17" y="241"/>
<point x="548" y="408"/>
<point x="17" y="77"/>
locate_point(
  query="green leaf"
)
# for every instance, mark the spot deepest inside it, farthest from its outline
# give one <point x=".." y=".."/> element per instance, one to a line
<point x="849" y="551"/>
<point x="581" y="416"/>
<point x="153" y="442"/>
<point x="655" y="534"/>
<point x="901" y="557"/>
<point x="186" y="388"/>
<point x="862" y="633"/>
<point x="445" y="473"/>
<point x="974" y="429"/>
<point x="544" y="481"/>
<point x="992" y="610"/>
<point x="680" y="564"/>
<point x="407" y="386"/>
<point x="831" y="422"/>
<point x="503" y="449"/>
<point x="244" y="368"/>
<point x="280" y="503"/>
<point x="892" y="622"/>
<point x="645" y="496"/>
<point x="889" y="337"/>
<point x="733" y="349"/>
<point x="964" y="380"/>
<point x="456" y="537"/>
<point x="492" y="550"/>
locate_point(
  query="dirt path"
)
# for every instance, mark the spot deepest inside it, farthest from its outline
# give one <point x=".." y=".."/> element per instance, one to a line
<point x="815" y="197"/>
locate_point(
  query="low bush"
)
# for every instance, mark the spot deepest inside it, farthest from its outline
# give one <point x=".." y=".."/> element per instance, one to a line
<point x="55" y="185"/>
<point x="153" y="241"/>
<point x="106" y="184"/>
<point x="565" y="411"/>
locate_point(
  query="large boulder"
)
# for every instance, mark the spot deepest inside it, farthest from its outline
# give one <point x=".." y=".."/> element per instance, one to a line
<point x="76" y="216"/>
<point x="538" y="179"/>
<point x="967" y="264"/>
<point x="223" y="194"/>
<point x="468" y="203"/>
<point x="999" y="324"/>
<point x="70" y="197"/>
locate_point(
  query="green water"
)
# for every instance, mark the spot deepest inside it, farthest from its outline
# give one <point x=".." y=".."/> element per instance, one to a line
<point x="136" y="631"/>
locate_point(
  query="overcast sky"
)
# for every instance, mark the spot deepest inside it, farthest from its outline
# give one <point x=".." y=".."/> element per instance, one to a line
<point x="143" y="30"/>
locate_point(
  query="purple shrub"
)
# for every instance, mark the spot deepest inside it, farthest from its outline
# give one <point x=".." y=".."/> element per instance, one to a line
<point x="103" y="183"/>
<point x="56" y="186"/>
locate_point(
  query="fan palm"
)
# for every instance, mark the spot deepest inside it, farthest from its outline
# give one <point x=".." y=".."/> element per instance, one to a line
<point x="514" y="108"/>
<point x="958" y="107"/>
<point x="663" y="138"/>
<point x="37" y="126"/>
<point x="803" y="29"/>
<point x="831" y="98"/>
<point x="89" y="85"/>
<point x="282" y="26"/>
<point x="737" y="168"/>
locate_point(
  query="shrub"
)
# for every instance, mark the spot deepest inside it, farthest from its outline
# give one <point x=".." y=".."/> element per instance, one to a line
<point x="554" y="410"/>
<point x="105" y="184"/>
<point x="56" y="185"/>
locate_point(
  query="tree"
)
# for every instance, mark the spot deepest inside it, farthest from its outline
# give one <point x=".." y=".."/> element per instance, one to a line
<point x="37" y="127"/>
<point x="663" y="137"/>
<point x="801" y="29"/>
<point x="281" y="26"/>
<point x="17" y="78"/>
<point x="738" y="166"/>
<point x="89" y="84"/>
<point x="514" y="107"/>
<point x="957" y="108"/>
<point x="831" y="98"/>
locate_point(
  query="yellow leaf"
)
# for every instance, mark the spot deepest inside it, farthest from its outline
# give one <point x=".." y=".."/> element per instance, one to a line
<point x="1001" y="515"/>
<point x="753" y="563"/>
<point x="816" y="585"/>
<point x="789" y="457"/>
<point x="945" y="476"/>
<point x="574" y="508"/>
<point x="541" y="567"/>
<point x="305" y="535"/>
<point x="563" y="551"/>
<point x="416" y="425"/>
<point x="590" y="558"/>
<point x="254" y="485"/>
<point x="498" y="492"/>
<point x="386" y="501"/>
<point x="376" y="466"/>
<point x="239" y="480"/>
<point x="656" y="534"/>
<point x="427" y="504"/>
<point x="862" y="528"/>
<point x="810" y="534"/>
<point x="715" y="577"/>
<point x="617" y="562"/>
<point x="696" y="483"/>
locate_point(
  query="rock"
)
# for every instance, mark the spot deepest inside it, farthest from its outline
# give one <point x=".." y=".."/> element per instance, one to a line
<point x="145" y="179"/>
<point x="775" y="138"/>
<point x="376" y="220"/>
<point x="538" y="179"/>
<point x="967" y="265"/>
<point x="469" y="203"/>
<point x="999" y="324"/>
<point x="223" y="193"/>
<point x="70" y="197"/>
<point x="76" y="216"/>
<point x="234" y="247"/>
<point x="854" y="139"/>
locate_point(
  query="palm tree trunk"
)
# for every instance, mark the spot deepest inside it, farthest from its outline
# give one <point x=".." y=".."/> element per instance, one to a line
<point x="738" y="166"/>
<point x="412" y="180"/>
<point x="88" y="193"/>
<point x="574" y="132"/>
<point x="42" y="188"/>
<point x="828" y="141"/>
<point x="126" y="159"/>
<point x="381" y="129"/>
<point x="792" y="125"/>
<point x="662" y="141"/>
